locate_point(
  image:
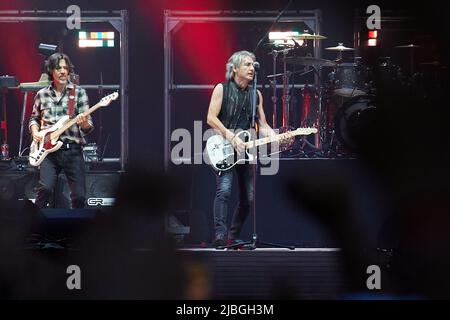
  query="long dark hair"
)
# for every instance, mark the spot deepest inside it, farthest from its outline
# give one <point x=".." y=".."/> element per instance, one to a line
<point x="53" y="62"/>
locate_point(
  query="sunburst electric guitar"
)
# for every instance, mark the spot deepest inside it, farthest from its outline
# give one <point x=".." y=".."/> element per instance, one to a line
<point x="223" y="156"/>
<point x="50" y="137"/>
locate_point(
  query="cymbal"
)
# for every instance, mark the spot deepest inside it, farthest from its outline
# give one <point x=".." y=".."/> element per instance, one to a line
<point x="307" y="36"/>
<point x="409" y="46"/>
<point x="284" y="45"/>
<point x="309" y="61"/>
<point x="339" y="47"/>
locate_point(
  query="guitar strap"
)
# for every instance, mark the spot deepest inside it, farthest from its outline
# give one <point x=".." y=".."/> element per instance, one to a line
<point x="71" y="100"/>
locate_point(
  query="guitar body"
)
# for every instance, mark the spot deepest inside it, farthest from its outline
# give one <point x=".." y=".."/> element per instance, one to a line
<point x="222" y="154"/>
<point x="38" y="151"/>
<point x="49" y="142"/>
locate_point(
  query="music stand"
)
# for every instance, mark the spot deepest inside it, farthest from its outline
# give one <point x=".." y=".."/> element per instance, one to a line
<point x="255" y="242"/>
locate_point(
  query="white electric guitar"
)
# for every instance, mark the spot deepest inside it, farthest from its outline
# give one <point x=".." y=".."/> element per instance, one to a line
<point x="223" y="156"/>
<point x="50" y="143"/>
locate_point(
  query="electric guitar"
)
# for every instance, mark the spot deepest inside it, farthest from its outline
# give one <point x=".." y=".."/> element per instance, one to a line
<point x="50" y="143"/>
<point x="223" y="156"/>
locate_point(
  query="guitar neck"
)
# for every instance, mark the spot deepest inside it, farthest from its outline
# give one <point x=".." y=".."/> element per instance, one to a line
<point x="73" y="121"/>
<point x="259" y="142"/>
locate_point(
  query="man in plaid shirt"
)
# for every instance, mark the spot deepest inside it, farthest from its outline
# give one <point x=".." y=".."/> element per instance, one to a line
<point x="50" y="104"/>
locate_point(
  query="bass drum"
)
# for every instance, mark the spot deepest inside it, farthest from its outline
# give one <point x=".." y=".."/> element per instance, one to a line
<point x="355" y="122"/>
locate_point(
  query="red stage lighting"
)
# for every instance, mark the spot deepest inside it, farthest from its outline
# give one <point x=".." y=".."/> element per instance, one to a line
<point x="373" y="34"/>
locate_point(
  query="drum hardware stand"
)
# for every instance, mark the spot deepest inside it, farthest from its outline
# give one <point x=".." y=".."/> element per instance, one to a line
<point x="273" y="83"/>
<point x="274" y="97"/>
<point x="275" y="54"/>
<point x="321" y="136"/>
<point x="286" y="97"/>
<point x="318" y="138"/>
<point x="318" y="142"/>
<point x="329" y="132"/>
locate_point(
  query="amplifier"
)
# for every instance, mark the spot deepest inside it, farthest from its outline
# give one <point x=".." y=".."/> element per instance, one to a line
<point x="100" y="188"/>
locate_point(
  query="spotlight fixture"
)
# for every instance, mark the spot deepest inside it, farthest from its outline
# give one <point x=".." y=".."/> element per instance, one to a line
<point x="47" y="49"/>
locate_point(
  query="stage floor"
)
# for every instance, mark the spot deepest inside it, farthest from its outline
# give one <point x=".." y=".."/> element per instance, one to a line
<point x="272" y="273"/>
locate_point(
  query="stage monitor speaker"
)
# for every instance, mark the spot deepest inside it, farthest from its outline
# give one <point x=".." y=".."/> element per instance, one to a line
<point x="13" y="185"/>
<point x="100" y="188"/>
<point x="62" y="223"/>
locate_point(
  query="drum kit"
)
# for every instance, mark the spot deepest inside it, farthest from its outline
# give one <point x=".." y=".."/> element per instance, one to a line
<point x="343" y="91"/>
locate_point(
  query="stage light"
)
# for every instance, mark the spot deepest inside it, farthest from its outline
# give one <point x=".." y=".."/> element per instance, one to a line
<point x="373" y="34"/>
<point x="290" y="42"/>
<point x="372" y="38"/>
<point x="90" y="43"/>
<point x="283" y="38"/>
<point x="95" y="39"/>
<point x="47" y="49"/>
<point x="283" y="35"/>
<point x="372" y="42"/>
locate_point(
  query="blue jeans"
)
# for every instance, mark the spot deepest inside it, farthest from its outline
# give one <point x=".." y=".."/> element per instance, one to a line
<point x="71" y="161"/>
<point x="224" y="184"/>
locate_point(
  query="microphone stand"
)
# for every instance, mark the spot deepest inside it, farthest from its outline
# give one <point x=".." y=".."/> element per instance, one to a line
<point x="254" y="242"/>
<point x="273" y="23"/>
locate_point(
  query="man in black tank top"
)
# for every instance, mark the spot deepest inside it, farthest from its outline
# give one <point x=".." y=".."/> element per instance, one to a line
<point x="230" y="111"/>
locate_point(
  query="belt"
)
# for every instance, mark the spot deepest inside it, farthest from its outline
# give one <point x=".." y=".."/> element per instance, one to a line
<point x="67" y="146"/>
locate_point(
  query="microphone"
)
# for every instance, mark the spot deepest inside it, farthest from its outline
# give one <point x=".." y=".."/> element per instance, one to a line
<point x="256" y="65"/>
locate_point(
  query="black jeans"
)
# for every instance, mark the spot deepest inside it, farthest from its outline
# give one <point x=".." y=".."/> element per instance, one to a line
<point x="224" y="184"/>
<point x="71" y="161"/>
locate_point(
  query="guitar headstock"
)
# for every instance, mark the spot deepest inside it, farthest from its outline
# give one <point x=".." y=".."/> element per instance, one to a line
<point x="105" y="101"/>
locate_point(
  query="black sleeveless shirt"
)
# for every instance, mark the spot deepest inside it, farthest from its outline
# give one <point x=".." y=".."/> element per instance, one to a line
<point x="236" y="109"/>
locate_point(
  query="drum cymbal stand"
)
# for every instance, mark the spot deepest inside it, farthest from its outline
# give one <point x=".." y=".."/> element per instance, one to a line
<point x="273" y="83"/>
<point x="286" y="96"/>
<point x="318" y="123"/>
<point x="324" y="139"/>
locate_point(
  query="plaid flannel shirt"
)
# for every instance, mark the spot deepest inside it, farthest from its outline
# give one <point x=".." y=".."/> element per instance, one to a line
<point x="48" y="108"/>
